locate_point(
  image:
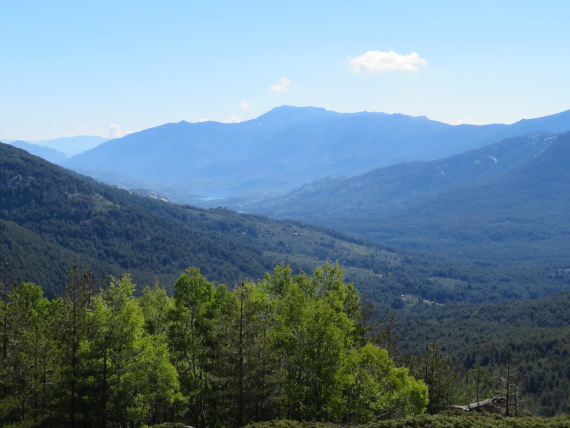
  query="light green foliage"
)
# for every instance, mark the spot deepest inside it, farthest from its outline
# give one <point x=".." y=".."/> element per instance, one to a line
<point x="325" y="375"/>
<point x="156" y="306"/>
<point x="377" y="389"/>
<point x="312" y="337"/>
<point x="137" y="378"/>
<point x="291" y="346"/>
<point x="191" y="339"/>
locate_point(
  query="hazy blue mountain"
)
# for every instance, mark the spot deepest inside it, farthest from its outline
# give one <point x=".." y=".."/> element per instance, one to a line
<point x="72" y="146"/>
<point x="286" y="148"/>
<point x="505" y="202"/>
<point x="46" y="153"/>
<point x="522" y="215"/>
<point x="398" y="186"/>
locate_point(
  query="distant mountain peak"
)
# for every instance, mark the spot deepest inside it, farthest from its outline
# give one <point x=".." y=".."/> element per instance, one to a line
<point x="284" y="148"/>
<point x="291" y="114"/>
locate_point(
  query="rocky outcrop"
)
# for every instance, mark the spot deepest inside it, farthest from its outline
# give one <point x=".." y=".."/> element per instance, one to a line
<point x="496" y="405"/>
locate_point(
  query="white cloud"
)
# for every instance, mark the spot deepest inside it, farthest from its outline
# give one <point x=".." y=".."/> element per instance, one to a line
<point x="463" y="121"/>
<point x="245" y="105"/>
<point x="115" y="131"/>
<point x="233" y="119"/>
<point x="84" y="130"/>
<point x="373" y="62"/>
<point x="282" y="85"/>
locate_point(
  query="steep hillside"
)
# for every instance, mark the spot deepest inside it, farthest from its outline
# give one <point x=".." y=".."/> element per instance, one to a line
<point x="506" y="202"/>
<point x="283" y="149"/>
<point x="94" y="222"/>
<point x="52" y="220"/>
<point x="518" y="217"/>
<point x="333" y="201"/>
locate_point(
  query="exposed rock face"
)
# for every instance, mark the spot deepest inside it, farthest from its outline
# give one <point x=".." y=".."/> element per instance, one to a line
<point x="496" y="405"/>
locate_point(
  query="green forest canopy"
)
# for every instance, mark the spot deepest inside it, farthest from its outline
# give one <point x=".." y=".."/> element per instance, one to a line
<point x="289" y="346"/>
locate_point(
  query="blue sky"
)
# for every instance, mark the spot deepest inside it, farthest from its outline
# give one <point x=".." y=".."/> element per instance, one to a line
<point x="112" y="67"/>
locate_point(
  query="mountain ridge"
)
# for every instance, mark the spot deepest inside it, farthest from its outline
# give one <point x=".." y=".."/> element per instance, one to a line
<point x="510" y="212"/>
<point x="284" y="149"/>
<point x="47" y="153"/>
<point x="52" y="219"/>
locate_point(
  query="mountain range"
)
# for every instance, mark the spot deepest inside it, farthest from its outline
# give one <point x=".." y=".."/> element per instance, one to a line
<point x="282" y="150"/>
<point x="58" y="150"/>
<point x="506" y="201"/>
<point x="481" y="219"/>
<point x="47" y="153"/>
<point x="52" y="219"/>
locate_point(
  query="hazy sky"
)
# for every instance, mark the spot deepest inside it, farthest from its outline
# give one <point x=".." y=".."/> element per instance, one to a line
<point x="111" y="67"/>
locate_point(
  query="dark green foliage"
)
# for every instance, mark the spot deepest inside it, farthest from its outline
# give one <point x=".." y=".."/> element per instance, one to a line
<point x="104" y="228"/>
<point x="439" y="373"/>
<point x="537" y="332"/>
<point x="169" y="425"/>
<point x="446" y="420"/>
<point x="506" y="202"/>
<point x="51" y="220"/>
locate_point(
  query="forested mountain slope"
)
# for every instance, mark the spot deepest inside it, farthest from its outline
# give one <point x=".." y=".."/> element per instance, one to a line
<point x="283" y="149"/>
<point x="521" y="216"/>
<point x="537" y="332"/>
<point x="507" y="201"/>
<point x="94" y="222"/>
<point x="52" y="220"/>
<point x="332" y="200"/>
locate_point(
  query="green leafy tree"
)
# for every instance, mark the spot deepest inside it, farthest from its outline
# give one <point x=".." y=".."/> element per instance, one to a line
<point x="314" y="334"/>
<point x="156" y="306"/>
<point x="375" y="388"/>
<point x="246" y="367"/>
<point x="132" y="380"/>
<point x="192" y="340"/>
